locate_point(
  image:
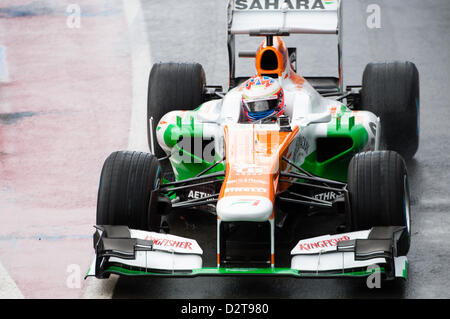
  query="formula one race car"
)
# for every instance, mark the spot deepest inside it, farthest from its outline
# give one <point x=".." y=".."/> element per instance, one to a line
<point x="259" y="180"/>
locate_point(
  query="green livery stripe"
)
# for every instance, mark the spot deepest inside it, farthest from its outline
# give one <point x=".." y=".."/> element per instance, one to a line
<point x="173" y="133"/>
<point x="342" y="125"/>
<point x="214" y="271"/>
<point x="172" y="195"/>
<point x="198" y="107"/>
<point x="192" y="167"/>
<point x="188" y="165"/>
<point x="244" y="271"/>
<point x="362" y="273"/>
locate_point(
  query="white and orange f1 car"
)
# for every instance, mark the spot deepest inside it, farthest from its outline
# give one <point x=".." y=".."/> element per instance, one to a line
<point x="335" y="151"/>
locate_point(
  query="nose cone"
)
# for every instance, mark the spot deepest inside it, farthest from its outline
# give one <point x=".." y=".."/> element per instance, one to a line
<point x="244" y="208"/>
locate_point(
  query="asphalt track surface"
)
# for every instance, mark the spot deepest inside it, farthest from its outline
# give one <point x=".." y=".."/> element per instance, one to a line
<point x="65" y="101"/>
<point x="57" y="125"/>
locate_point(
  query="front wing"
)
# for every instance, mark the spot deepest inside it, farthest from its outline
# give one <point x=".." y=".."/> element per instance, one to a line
<point x="123" y="251"/>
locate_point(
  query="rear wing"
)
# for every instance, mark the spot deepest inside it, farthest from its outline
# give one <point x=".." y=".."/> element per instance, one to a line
<point x="283" y="18"/>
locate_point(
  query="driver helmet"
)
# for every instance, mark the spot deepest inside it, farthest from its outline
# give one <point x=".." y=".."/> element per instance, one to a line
<point x="262" y="97"/>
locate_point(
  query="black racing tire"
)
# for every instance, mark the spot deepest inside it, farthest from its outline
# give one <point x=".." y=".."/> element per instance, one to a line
<point x="379" y="193"/>
<point x="391" y="91"/>
<point x="126" y="193"/>
<point x="173" y="86"/>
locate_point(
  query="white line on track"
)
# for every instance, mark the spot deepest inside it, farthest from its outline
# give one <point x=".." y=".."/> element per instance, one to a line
<point x="100" y="288"/>
<point x="137" y="138"/>
<point x="8" y="288"/>
<point x="141" y="63"/>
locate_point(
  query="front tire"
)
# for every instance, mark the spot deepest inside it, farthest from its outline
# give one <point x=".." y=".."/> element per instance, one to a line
<point x="379" y="193"/>
<point x="127" y="192"/>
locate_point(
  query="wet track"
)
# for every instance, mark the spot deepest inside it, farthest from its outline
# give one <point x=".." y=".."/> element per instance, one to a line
<point x="410" y="30"/>
<point x="72" y="96"/>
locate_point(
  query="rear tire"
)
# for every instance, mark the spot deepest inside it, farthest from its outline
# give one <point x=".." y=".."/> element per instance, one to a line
<point x="391" y="91"/>
<point x="126" y="192"/>
<point x="173" y="86"/>
<point x="379" y="193"/>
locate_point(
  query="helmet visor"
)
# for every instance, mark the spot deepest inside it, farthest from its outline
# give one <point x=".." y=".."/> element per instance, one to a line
<point x="261" y="105"/>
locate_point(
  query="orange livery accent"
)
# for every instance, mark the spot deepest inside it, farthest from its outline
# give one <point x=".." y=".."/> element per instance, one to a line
<point x="252" y="160"/>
